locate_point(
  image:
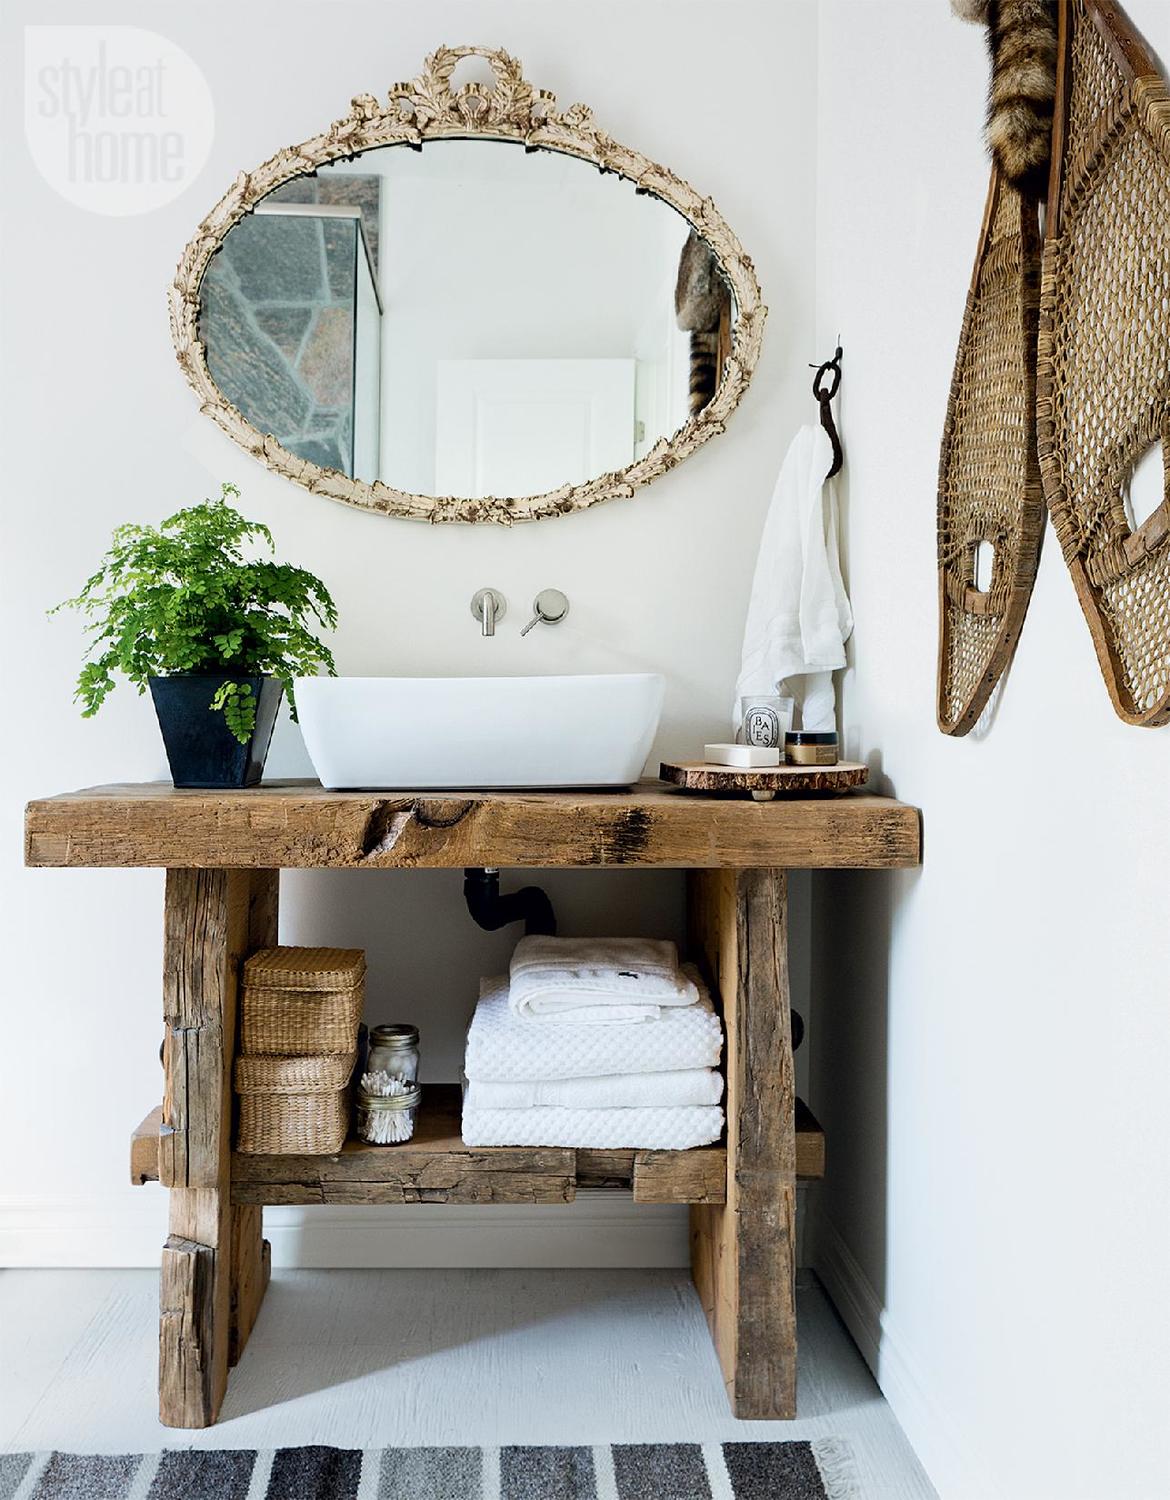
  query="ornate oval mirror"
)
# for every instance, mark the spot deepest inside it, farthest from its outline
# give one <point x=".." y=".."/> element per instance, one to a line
<point x="465" y="305"/>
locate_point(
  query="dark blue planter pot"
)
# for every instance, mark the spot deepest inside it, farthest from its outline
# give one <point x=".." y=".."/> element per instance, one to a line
<point x="201" y="749"/>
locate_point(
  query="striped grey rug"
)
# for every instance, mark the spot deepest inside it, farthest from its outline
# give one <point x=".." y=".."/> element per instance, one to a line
<point x="627" y="1471"/>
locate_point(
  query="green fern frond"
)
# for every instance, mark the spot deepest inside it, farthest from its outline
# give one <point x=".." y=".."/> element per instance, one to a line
<point x="191" y="595"/>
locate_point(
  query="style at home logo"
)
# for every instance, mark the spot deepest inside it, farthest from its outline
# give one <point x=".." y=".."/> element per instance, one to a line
<point x="118" y="120"/>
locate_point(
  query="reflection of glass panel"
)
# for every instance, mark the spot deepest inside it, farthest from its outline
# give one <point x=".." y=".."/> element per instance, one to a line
<point x="284" y="305"/>
<point x="367" y="385"/>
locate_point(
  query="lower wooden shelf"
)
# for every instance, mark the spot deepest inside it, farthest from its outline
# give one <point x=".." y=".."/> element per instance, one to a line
<point x="436" y="1167"/>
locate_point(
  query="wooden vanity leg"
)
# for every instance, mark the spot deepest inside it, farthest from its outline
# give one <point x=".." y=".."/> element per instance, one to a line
<point x="743" y="1252"/>
<point x="251" y="1254"/>
<point x="215" y="1262"/>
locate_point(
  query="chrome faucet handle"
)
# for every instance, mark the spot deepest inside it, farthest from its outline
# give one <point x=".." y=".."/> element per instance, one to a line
<point x="551" y="607"/>
<point x="488" y="606"/>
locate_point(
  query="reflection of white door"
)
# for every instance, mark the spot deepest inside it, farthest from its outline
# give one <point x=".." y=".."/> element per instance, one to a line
<point x="524" y="426"/>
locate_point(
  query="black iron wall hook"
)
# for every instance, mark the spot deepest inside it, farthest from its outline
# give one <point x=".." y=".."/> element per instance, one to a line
<point x="825" y="398"/>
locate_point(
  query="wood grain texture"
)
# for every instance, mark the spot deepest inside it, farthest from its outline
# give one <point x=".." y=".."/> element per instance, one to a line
<point x="144" y="1147"/>
<point x="810" y="1143"/>
<point x="251" y="1270"/>
<point x="298" y="825"/>
<point x="743" y="1252"/>
<point x="695" y="1176"/>
<point x="370" y="1175"/>
<point x="205" y="939"/>
<point x="251" y="1254"/>
<point x="187" y="1334"/>
<point x="785" y="781"/>
<point x="213" y="919"/>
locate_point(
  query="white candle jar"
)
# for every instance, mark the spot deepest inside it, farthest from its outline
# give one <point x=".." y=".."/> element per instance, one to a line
<point x="765" y="720"/>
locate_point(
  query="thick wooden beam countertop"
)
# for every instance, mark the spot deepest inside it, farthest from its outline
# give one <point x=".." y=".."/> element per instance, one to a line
<point x="291" y="825"/>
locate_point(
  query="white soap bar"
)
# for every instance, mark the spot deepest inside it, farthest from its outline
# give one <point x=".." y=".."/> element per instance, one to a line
<point x="749" y="756"/>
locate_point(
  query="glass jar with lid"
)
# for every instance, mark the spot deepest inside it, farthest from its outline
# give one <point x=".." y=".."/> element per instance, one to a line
<point x="387" y="1119"/>
<point x="394" y="1050"/>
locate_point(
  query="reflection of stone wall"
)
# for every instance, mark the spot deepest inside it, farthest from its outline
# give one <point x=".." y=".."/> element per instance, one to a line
<point x="277" y="320"/>
<point x="348" y="189"/>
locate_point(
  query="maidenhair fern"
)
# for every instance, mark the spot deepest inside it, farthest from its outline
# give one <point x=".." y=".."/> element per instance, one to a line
<point x="186" y="597"/>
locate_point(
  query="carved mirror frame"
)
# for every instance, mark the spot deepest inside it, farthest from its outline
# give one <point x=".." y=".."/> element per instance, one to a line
<point x="510" y="109"/>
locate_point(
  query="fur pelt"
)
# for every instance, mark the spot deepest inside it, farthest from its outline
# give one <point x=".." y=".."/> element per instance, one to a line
<point x="700" y="300"/>
<point x="971" y="10"/>
<point x="699" y="292"/>
<point x="704" y="370"/>
<point x="1021" y="37"/>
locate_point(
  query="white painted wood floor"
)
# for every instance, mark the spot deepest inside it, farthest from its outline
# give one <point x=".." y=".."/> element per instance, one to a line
<point x="362" y="1359"/>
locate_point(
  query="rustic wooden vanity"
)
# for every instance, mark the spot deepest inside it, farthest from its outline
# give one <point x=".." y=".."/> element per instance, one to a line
<point x="223" y="853"/>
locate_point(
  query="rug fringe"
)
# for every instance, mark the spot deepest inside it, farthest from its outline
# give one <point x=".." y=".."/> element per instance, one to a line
<point x="834" y="1459"/>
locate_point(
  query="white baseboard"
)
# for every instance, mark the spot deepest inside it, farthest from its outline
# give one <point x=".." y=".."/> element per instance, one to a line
<point x="951" y="1467"/>
<point x="605" y="1229"/>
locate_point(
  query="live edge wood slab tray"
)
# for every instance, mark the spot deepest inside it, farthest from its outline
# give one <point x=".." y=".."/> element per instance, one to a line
<point x="223" y="853"/>
<point x="764" y="783"/>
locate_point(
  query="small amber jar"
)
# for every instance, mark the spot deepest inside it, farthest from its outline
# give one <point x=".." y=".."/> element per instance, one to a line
<point x="816" y="747"/>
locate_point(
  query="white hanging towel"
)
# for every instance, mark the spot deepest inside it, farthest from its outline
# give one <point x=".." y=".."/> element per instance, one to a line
<point x="798" y="617"/>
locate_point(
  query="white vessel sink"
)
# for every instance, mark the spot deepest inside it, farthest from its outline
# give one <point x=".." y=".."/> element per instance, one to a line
<point x="427" y="733"/>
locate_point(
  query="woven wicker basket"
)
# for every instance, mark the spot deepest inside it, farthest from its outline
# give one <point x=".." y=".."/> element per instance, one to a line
<point x="301" y="1002"/>
<point x="295" y="1106"/>
<point x="290" y="968"/>
<point x="299" y="1023"/>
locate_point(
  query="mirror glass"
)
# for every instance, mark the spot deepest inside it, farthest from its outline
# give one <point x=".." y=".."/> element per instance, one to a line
<point x="465" y="319"/>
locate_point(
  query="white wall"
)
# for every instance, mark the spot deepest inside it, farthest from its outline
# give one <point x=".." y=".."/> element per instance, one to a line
<point x="993" y="1034"/>
<point x="99" y="427"/>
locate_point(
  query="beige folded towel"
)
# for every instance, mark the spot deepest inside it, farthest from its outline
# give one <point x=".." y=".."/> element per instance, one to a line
<point x="596" y="979"/>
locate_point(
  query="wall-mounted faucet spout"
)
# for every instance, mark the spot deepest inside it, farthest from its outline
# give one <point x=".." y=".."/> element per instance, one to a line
<point x="488" y="606"/>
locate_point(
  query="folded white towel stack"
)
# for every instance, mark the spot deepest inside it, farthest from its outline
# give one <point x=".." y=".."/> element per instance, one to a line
<point x="561" y="1065"/>
<point x="656" y="1129"/>
<point x="596" y="979"/>
<point x="506" y="1047"/>
<point x="679" y="1086"/>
